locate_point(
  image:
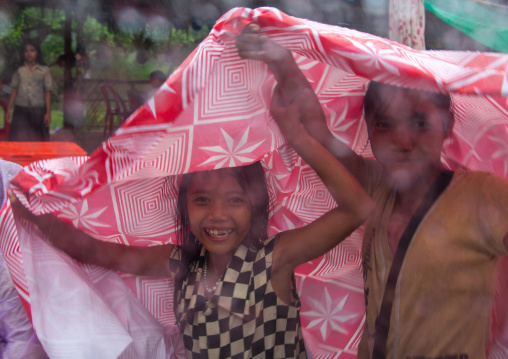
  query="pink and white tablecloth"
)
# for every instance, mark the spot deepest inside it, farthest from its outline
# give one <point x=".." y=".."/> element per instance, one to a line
<point x="213" y="112"/>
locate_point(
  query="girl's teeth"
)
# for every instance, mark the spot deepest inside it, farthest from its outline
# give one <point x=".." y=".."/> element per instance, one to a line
<point x="217" y="233"/>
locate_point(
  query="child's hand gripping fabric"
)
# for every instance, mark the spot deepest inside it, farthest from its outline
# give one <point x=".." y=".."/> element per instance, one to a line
<point x="254" y="45"/>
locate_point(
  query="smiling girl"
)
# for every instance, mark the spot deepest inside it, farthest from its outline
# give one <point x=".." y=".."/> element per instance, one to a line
<point x="234" y="288"/>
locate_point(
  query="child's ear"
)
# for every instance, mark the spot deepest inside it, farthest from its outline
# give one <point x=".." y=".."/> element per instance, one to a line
<point x="448" y="125"/>
<point x="448" y="132"/>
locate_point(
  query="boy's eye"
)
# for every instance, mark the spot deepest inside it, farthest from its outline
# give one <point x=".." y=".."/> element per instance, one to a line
<point x="420" y="121"/>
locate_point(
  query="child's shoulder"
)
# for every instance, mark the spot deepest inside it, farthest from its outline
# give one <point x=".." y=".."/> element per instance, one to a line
<point x="479" y="183"/>
<point x="470" y="176"/>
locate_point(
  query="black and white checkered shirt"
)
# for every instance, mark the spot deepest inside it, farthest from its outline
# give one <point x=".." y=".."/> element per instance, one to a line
<point x="244" y="318"/>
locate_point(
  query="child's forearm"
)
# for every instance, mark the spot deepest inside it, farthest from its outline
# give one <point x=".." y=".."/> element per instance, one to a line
<point x="292" y="82"/>
<point x="341" y="184"/>
<point x="147" y="261"/>
<point x="14" y="93"/>
<point x="252" y="44"/>
<point x="69" y="239"/>
<point x="47" y="101"/>
<point x="344" y="188"/>
<point x="289" y="77"/>
<point x="62" y="235"/>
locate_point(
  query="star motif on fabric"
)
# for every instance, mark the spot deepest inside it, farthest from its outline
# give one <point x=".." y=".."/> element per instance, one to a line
<point x="338" y="125"/>
<point x="327" y="314"/>
<point x="231" y="153"/>
<point x="373" y="57"/>
<point x="273" y="177"/>
<point x="151" y="101"/>
<point x="87" y="219"/>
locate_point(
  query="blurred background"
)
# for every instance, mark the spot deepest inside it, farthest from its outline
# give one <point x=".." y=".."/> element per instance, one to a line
<point x="102" y="52"/>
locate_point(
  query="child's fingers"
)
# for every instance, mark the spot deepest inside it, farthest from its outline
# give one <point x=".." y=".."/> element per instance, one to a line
<point x="12" y="197"/>
<point x="252" y="44"/>
<point x="251" y="28"/>
<point x="252" y="55"/>
<point x="250" y="47"/>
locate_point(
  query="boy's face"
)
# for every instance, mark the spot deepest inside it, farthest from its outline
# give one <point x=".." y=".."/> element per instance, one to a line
<point x="407" y="136"/>
<point x="219" y="211"/>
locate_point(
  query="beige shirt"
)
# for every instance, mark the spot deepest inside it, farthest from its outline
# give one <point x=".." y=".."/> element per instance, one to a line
<point x="31" y="85"/>
<point x="444" y="295"/>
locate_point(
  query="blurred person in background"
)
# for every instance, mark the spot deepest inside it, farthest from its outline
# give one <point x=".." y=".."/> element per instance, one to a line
<point x="157" y="78"/>
<point x="138" y="98"/>
<point x="31" y="94"/>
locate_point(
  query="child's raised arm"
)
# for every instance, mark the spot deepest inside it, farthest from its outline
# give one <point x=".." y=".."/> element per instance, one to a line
<point x="298" y="246"/>
<point x="355" y="205"/>
<point x="253" y="45"/>
<point x="148" y="261"/>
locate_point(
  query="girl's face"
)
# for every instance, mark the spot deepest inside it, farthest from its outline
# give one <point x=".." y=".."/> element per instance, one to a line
<point x="407" y="136"/>
<point x="219" y="211"/>
<point x="30" y="53"/>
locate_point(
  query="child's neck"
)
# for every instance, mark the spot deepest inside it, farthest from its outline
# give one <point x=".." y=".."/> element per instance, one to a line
<point x="409" y="199"/>
<point x="217" y="264"/>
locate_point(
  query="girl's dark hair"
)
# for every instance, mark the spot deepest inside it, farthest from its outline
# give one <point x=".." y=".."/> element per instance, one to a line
<point x="372" y="103"/>
<point x="37" y="47"/>
<point x="252" y="180"/>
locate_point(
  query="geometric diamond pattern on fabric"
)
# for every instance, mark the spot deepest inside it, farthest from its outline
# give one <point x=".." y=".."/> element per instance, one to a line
<point x="244" y="318"/>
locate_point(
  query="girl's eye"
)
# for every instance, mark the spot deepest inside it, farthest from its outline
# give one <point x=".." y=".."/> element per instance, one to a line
<point x="383" y="125"/>
<point x="201" y="200"/>
<point x="236" y="200"/>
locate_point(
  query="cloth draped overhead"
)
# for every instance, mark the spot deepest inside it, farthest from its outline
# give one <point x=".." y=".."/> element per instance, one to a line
<point x="212" y="112"/>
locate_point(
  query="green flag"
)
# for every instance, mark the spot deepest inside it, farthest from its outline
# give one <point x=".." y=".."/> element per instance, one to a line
<point x="483" y="21"/>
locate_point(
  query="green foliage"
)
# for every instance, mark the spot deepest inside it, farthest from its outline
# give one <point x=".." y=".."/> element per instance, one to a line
<point x="94" y="31"/>
<point x="46" y="25"/>
<point x="56" y="119"/>
<point x="190" y="36"/>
